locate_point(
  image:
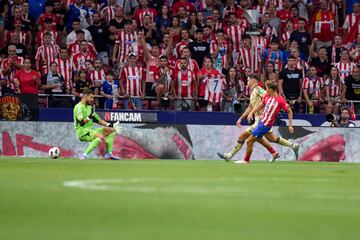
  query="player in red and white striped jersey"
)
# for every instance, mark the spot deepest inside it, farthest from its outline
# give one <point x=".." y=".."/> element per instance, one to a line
<point x="79" y="58"/>
<point x="46" y="54"/>
<point x="215" y="83"/>
<point x="272" y="104"/>
<point x="313" y="87"/>
<point x="345" y="66"/>
<point x="132" y="78"/>
<point x="335" y="91"/>
<point x="9" y="66"/>
<point x="185" y="85"/>
<point x="66" y="68"/>
<point x="108" y="12"/>
<point x="125" y="39"/>
<point x="142" y="11"/>
<point x="74" y="47"/>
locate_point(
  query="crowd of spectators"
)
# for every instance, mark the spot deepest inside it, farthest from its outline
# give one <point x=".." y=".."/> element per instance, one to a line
<point x="180" y="54"/>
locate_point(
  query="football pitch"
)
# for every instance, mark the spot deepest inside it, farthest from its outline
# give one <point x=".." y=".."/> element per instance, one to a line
<point x="44" y="199"/>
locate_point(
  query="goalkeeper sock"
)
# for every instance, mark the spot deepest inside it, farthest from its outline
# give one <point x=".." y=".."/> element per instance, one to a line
<point x="92" y="145"/>
<point x="235" y="149"/>
<point x="284" y="142"/>
<point x="109" y="142"/>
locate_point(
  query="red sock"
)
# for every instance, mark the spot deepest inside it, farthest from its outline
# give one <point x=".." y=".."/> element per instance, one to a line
<point x="247" y="158"/>
<point x="271" y="150"/>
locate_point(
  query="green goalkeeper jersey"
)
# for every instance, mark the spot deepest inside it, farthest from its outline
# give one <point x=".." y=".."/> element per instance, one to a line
<point x="81" y="112"/>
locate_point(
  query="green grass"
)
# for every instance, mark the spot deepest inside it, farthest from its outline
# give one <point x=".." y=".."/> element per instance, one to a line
<point x="179" y="200"/>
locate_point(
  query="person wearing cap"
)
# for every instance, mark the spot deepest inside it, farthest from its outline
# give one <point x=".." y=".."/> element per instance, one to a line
<point x="71" y="37"/>
<point x="48" y="27"/>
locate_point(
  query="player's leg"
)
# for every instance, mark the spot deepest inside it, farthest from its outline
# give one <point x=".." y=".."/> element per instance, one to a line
<point x="249" y="149"/>
<point x="268" y="146"/>
<point x="95" y="138"/>
<point x="272" y="137"/>
<point x="241" y="140"/>
<point x="109" y="135"/>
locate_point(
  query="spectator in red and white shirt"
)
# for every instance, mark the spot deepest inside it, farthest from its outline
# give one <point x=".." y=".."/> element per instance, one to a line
<point x="79" y="58"/>
<point x="144" y="10"/>
<point x="132" y="83"/>
<point x="164" y="82"/>
<point x="24" y="36"/>
<point x="335" y="91"/>
<point x="55" y="37"/>
<point x="334" y="51"/>
<point x="352" y="24"/>
<point x="323" y="25"/>
<point x="214" y="83"/>
<point x="268" y="30"/>
<point x="9" y="66"/>
<point x="245" y="59"/>
<point x="46" y="54"/>
<point x="66" y="68"/>
<point x="284" y="14"/>
<point x="355" y="51"/>
<point x="188" y="7"/>
<point x="221" y="52"/>
<point x="108" y="12"/>
<point x="74" y="47"/>
<point x="232" y="7"/>
<point x="185" y="86"/>
<point x="234" y="32"/>
<point x="185" y="40"/>
<point x="285" y="37"/>
<point x="47" y="14"/>
<point x="313" y="87"/>
<point x="345" y="66"/>
<point x="125" y="39"/>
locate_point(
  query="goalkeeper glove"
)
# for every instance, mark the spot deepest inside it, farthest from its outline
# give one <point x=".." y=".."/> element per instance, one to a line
<point x="118" y="128"/>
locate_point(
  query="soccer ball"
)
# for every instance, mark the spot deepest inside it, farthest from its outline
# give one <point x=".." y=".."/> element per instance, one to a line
<point x="54" y="152"/>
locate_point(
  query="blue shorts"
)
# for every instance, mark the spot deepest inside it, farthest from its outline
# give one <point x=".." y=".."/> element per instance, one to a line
<point x="260" y="130"/>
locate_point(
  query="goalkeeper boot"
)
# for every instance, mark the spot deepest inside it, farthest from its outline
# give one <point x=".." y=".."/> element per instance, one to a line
<point x="274" y="157"/>
<point x="84" y="156"/>
<point x="224" y="156"/>
<point x="110" y="156"/>
<point x="295" y="148"/>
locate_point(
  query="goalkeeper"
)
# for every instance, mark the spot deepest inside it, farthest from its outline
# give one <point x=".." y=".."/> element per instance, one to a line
<point x="84" y="117"/>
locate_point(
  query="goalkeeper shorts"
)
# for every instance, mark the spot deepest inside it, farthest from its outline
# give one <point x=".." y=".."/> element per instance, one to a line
<point x="87" y="135"/>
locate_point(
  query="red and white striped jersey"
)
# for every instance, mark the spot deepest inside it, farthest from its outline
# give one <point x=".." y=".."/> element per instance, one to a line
<point x="273" y="105"/>
<point x="193" y="66"/>
<point x="55" y="38"/>
<point x="66" y="69"/>
<point x="334" y="88"/>
<point x="5" y="64"/>
<point x="140" y="14"/>
<point x="97" y="76"/>
<point x="125" y="41"/>
<point x="345" y="69"/>
<point x="244" y="58"/>
<point x="74" y="47"/>
<point x="134" y="78"/>
<point x="333" y="6"/>
<point x="179" y="46"/>
<point x="221" y="60"/>
<point x="357" y="55"/>
<point x="313" y="87"/>
<point x="46" y="55"/>
<point x="79" y="60"/>
<point x="262" y="10"/>
<point x="108" y="13"/>
<point x="219" y="25"/>
<point x="24" y="37"/>
<point x="260" y="44"/>
<point x="235" y="33"/>
<point x="214" y="86"/>
<point x="285" y="37"/>
<point x="350" y="21"/>
<point x="184" y="83"/>
<point x="278" y="4"/>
